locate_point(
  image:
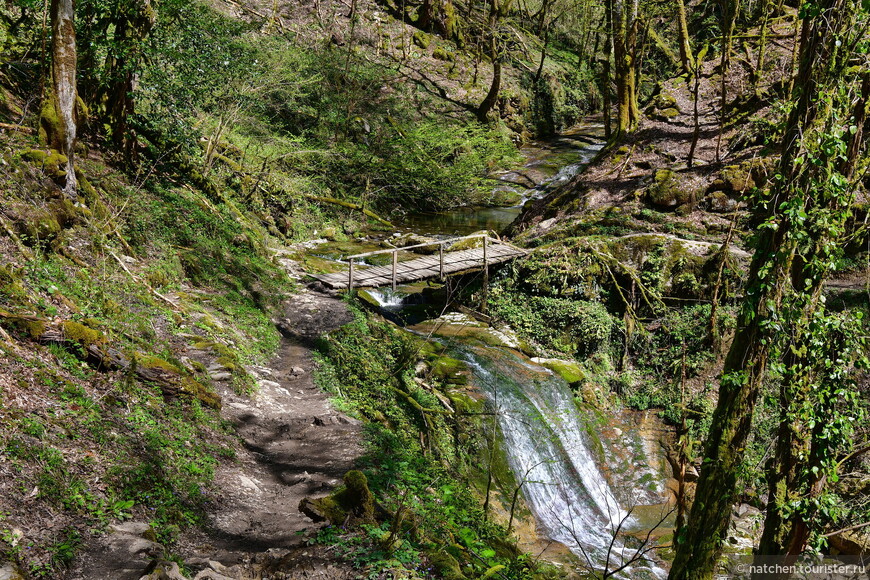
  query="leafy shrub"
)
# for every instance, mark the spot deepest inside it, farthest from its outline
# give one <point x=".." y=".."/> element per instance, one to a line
<point x="574" y="327"/>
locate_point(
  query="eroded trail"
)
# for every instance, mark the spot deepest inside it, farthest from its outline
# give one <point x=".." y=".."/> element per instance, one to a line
<point x="295" y="444"/>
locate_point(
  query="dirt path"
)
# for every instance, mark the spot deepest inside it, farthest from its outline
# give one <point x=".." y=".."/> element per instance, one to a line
<point x="294" y="445"/>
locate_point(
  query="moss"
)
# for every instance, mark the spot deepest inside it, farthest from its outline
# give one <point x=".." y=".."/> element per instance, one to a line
<point x="37" y="225"/>
<point x="665" y="101"/>
<point x="153" y="362"/>
<point x="738" y="178"/>
<point x="666" y="191"/>
<point x="667" y="114"/>
<point x="354" y="501"/>
<point x="194" y="388"/>
<point x="446" y="565"/>
<point x="422" y="39"/>
<point x="570" y="372"/>
<point x="64" y="212"/>
<point x="51" y="162"/>
<point x="83" y="335"/>
<point x="443" y="54"/>
<point x="450" y="370"/>
<point x="34" y="328"/>
<point x="85" y="187"/>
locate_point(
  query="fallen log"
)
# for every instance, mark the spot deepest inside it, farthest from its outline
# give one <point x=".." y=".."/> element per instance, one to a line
<point x="93" y="346"/>
<point x="350" y="205"/>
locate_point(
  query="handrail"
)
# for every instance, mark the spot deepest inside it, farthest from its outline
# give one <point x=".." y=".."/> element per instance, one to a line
<point x="435" y="243"/>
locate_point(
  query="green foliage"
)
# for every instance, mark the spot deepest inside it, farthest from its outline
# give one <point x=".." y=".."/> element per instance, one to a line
<point x="574" y="327"/>
<point x="414" y="464"/>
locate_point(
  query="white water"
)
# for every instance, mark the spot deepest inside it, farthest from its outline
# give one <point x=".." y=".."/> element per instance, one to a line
<point x="550" y="456"/>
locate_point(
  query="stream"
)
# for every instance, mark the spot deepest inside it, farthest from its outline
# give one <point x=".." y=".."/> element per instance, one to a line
<point x="593" y="479"/>
<point x="548" y="165"/>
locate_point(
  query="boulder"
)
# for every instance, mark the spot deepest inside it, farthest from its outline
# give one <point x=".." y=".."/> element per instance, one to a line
<point x="667" y="191"/>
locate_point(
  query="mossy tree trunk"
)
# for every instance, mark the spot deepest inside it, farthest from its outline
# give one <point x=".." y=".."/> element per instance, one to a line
<point x="491" y="98"/>
<point x="624" y="24"/>
<point x="777" y="270"/>
<point x="729" y="17"/>
<point x="686" y="60"/>
<point x="58" y="117"/>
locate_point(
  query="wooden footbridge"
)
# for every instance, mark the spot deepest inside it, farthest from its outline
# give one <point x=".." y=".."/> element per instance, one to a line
<point x="441" y="263"/>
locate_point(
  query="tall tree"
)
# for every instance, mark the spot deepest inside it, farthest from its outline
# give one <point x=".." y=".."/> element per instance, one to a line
<point x="686" y="60"/>
<point x="58" y="116"/>
<point x="624" y="27"/>
<point x="496" y="10"/>
<point x="777" y="266"/>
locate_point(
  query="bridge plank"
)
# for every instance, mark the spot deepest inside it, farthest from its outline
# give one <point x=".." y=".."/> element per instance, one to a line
<point x="423" y="267"/>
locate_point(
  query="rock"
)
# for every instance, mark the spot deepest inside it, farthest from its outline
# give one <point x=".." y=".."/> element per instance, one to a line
<point x="421" y="39"/>
<point x="10" y="571"/>
<point x="666" y="190"/>
<point x="738" y="178"/>
<point x="666" y="114"/>
<point x="222" y="376"/>
<point x="851" y="543"/>
<point x="297" y="371"/>
<point x="210" y="574"/>
<point x="325" y="420"/>
<point x="163" y="571"/>
<point x="665" y="101"/>
<point x="406" y="240"/>
<point x="720" y="202"/>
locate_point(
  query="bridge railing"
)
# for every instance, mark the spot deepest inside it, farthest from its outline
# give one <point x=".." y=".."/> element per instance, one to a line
<point x="440" y="243"/>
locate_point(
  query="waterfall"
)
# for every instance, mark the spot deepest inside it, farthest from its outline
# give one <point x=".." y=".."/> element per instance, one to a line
<point x="548" y="443"/>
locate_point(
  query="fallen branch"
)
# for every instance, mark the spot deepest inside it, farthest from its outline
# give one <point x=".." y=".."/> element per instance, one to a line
<point x="350" y="205"/>
<point x="144" y="283"/>
<point x="19" y="128"/>
<point x="25" y="251"/>
<point x="849" y="529"/>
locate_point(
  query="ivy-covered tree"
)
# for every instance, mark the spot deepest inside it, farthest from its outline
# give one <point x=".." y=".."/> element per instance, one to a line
<point x="803" y="225"/>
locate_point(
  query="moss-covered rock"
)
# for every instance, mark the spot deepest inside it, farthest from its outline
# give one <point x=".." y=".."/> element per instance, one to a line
<point x="353" y="503"/>
<point x="449" y="370"/>
<point x="442" y="53"/>
<point x="51" y="162"/>
<point x="446" y="565"/>
<point x="720" y="202"/>
<point x="738" y="178"/>
<point x="570" y="371"/>
<point x="35" y="225"/>
<point x="666" y="114"/>
<point x="422" y="39"/>
<point x="667" y="191"/>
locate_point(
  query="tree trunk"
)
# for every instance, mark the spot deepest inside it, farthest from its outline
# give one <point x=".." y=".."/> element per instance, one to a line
<point x="729" y="16"/>
<point x="686" y="59"/>
<point x="766" y="7"/>
<point x="492" y="96"/>
<point x="624" y="32"/>
<point x="605" y="85"/>
<point x="770" y="274"/>
<point x="59" y="117"/>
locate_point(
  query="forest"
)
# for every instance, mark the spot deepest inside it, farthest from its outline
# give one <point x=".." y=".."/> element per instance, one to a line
<point x="664" y="374"/>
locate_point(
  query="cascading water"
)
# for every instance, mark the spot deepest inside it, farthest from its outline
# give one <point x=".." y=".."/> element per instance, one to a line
<point x="548" y="447"/>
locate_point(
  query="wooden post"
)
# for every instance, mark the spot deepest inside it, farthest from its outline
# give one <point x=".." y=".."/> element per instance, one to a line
<point x="350" y="275"/>
<point x="485" y="274"/>
<point x="395" y="261"/>
<point x="441" y="261"/>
